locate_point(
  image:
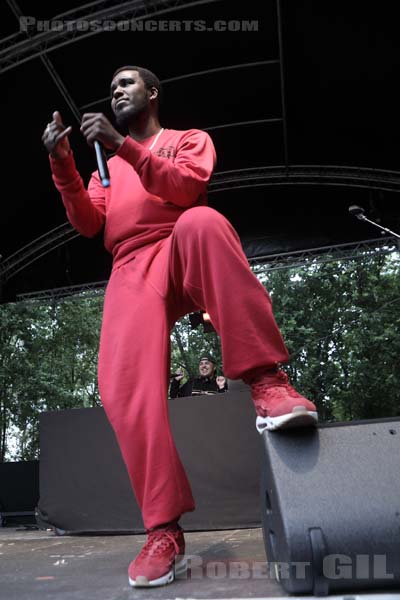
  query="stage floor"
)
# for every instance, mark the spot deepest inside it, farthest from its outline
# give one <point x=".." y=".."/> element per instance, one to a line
<point x="36" y="564"/>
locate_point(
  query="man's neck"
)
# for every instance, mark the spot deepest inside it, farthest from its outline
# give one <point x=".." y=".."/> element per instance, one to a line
<point x="144" y="127"/>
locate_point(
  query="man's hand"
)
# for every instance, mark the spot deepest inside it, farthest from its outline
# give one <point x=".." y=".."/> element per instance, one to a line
<point x="220" y="382"/>
<point x="179" y="375"/>
<point x="55" y="137"/>
<point x="95" y="126"/>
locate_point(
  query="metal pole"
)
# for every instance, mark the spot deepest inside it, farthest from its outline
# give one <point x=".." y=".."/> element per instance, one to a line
<point x="282" y="73"/>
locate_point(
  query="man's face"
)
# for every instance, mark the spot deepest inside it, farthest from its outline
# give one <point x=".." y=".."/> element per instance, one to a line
<point x="206" y="368"/>
<point x="129" y="96"/>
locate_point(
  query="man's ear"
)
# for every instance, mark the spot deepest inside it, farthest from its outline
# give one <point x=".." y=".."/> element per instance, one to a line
<point x="153" y="93"/>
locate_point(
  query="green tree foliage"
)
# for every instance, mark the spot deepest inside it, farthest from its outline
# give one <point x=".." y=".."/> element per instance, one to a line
<point x="48" y="356"/>
<point x="340" y="321"/>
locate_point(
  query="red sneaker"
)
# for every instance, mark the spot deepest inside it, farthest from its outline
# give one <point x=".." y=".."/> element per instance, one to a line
<point x="160" y="559"/>
<point x="278" y="405"/>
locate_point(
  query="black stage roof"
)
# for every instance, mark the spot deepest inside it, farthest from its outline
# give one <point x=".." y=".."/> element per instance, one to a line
<point x="303" y="107"/>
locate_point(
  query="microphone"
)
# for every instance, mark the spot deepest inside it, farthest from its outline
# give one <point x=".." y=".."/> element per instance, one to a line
<point x="356" y="211"/>
<point x="102" y="166"/>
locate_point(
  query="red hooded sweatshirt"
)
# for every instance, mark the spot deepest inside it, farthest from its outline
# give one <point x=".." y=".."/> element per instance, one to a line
<point x="149" y="190"/>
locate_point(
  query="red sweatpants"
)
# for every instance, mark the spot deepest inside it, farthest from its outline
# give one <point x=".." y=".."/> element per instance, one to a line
<point x="201" y="265"/>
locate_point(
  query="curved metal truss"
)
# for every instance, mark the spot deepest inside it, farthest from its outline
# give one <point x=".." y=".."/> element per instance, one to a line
<point x="325" y="175"/>
<point x="257" y="63"/>
<point x="226" y="180"/>
<point x="16" y="49"/>
<point x="94" y="288"/>
<point x="259" y="265"/>
<point x="39" y="247"/>
<point x="324" y="254"/>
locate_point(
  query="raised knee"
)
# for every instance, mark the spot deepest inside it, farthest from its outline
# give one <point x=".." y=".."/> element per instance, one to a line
<point x="201" y="218"/>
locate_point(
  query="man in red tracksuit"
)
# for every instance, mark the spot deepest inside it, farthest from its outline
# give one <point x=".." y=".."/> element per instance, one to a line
<point x="171" y="255"/>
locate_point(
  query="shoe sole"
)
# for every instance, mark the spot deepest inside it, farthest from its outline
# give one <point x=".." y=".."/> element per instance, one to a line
<point x="142" y="581"/>
<point x="299" y="417"/>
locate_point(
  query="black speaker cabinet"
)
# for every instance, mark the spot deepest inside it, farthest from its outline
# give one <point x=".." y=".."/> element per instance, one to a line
<point x="331" y="506"/>
<point x="19" y="491"/>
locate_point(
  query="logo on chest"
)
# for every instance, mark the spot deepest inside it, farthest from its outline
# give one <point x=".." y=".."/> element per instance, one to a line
<point x="167" y="152"/>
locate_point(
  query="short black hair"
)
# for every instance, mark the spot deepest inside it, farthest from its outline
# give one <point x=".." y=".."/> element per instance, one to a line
<point x="149" y="78"/>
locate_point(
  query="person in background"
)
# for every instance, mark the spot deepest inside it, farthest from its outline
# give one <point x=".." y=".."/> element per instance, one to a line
<point x="207" y="383"/>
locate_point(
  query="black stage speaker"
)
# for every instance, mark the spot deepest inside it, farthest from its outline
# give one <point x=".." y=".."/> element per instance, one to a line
<point x="331" y="506"/>
<point x="19" y="491"/>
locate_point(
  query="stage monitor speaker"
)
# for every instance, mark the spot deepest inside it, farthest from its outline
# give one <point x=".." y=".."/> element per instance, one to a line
<point x="19" y="491"/>
<point x="331" y="506"/>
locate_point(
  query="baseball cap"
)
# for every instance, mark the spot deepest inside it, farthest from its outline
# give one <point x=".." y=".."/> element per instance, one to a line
<point x="208" y="357"/>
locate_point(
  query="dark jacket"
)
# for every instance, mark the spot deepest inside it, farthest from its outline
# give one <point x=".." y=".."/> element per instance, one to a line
<point x="194" y="387"/>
